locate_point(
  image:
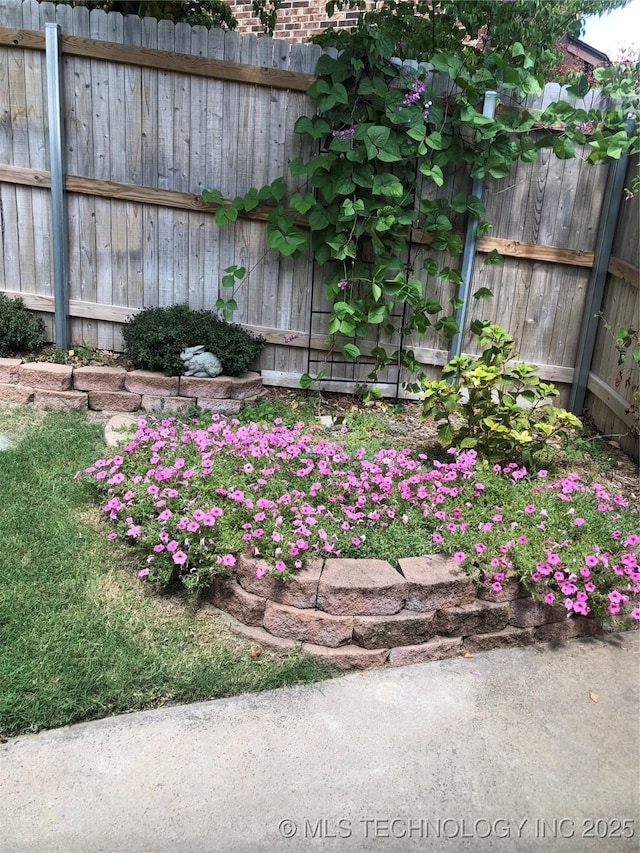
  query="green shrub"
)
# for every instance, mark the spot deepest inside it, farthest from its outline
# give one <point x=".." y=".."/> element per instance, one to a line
<point x="494" y="404"/>
<point x="155" y="337"/>
<point x="20" y="331"/>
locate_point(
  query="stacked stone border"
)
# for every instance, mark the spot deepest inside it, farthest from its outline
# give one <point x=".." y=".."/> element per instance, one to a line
<point x="114" y="389"/>
<point x="360" y="614"/>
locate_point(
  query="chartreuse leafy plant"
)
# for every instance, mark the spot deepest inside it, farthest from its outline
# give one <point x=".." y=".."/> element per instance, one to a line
<point x="191" y="497"/>
<point x="388" y="134"/>
<point x="493" y="403"/>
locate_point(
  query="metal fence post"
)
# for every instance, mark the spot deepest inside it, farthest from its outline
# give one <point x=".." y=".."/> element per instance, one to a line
<point x="596" y="288"/>
<point x="469" y="251"/>
<point x="56" y="167"/>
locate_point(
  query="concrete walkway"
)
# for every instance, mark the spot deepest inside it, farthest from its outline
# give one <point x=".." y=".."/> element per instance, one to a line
<point x="505" y="751"/>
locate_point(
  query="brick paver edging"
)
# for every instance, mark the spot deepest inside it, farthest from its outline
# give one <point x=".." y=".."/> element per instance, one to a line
<point x="114" y="389"/>
<point x="361" y="614"/>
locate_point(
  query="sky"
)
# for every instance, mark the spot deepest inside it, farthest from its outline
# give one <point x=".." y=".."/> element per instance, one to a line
<point x="620" y="28"/>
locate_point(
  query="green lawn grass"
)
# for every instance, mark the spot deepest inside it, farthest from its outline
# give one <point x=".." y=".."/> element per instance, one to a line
<point x="81" y="637"/>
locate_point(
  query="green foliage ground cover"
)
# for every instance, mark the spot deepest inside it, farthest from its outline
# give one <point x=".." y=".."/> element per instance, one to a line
<point x="80" y="636"/>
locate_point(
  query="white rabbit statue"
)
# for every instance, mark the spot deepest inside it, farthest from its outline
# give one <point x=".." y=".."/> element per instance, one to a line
<point x="199" y="363"/>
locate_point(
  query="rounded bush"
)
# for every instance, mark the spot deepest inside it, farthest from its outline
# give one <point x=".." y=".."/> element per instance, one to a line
<point x="20" y="331"/>
<point x="155" y="337"/>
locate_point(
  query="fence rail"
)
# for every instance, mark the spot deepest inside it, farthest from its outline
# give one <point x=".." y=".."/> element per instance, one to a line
<point x="157" y="112"/>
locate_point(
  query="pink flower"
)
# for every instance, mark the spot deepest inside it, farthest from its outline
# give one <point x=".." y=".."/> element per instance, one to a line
<point x="578" y="522"/>
<point x="143" y="573"/>
<point x="459" y="556"/>
<point x="632" y="539"/>
<point x="261" y="572"/>
<point x="180" y="558"/>
<point x="549" y="598"/>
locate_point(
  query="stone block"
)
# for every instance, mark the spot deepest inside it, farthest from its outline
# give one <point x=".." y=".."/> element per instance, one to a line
<point x="209" y="388"/>
<point x="348" y="657"/>
<point x="153" y="384"/>
<point x="228" y="595"/>
<point x="437" y="648"/>
<point x="69" y="401"/>
<point x="511" y="589"/>
<point x="10" y="393"/>
<point x="311" y="626"/>
<point x="99" y="378"/>
<point x="114" y="401"/>
<point x="50" y="377"/>
<point x="264" y="639"/>
<point x="120" y="429"/>
<point x="221" y="407"/>
<point x="508" y="637"/>
<point x="480" y="617"/>
<point x="244" y="386"/>
<point x="436" y="581"/>
<point x="406" y="628"/>
<point x="152" y="403"/>
<point x="361" y="588"/>
<point x="574" y="626"/>
<point x="298" y="590"/>
<point x="529" y="613"/>
<point x="9" y="369"/>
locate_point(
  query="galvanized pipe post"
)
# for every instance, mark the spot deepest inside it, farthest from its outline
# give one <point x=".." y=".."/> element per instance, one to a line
<point x="56" y="168"/>
<point x="469" y="251"/>
<point x="595" y="290"/>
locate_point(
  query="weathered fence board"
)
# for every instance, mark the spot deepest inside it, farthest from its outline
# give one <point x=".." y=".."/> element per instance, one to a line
<point x="613" y="394"/>
<point x="154" y="113"/>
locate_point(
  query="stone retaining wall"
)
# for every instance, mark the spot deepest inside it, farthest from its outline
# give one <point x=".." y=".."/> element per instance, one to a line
<point x="114" y="389"/>
<point x="360" y="614"/>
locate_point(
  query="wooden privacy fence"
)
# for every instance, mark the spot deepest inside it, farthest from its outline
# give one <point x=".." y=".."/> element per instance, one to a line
<point x="155" y="112"/>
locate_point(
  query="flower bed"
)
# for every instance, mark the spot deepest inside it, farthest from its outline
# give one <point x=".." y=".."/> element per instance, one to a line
<point x="274" y="504"/>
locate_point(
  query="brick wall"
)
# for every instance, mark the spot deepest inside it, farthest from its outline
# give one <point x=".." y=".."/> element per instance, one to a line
<point x="298" y="20"/>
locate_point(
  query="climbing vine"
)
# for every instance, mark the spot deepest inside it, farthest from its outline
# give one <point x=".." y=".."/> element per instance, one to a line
<point x="388" y="132"/>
